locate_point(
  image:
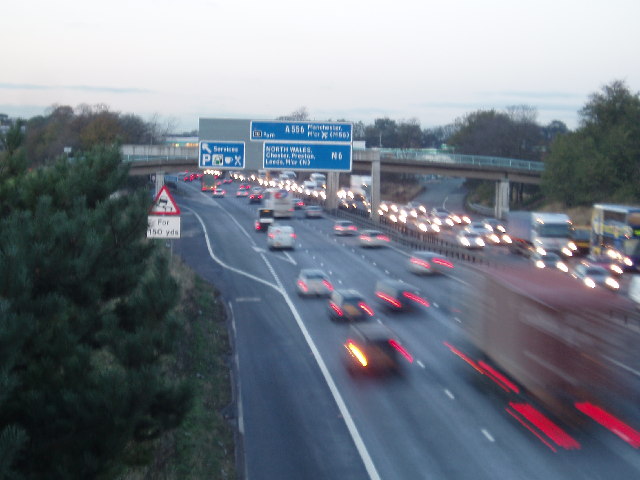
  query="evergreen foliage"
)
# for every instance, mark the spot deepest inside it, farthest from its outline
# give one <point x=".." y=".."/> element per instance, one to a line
<point x="85" y="321"/>
<point x="600" y="161"/>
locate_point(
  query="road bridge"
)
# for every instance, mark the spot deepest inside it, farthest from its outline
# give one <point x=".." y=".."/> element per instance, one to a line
<point x="158" y="159"/>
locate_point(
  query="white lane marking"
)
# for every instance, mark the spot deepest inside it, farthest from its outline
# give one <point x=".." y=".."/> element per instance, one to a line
<point x="248" y="299"/>
<point x="420" y="364"/>
<point x="290" y="258"/>
<point x="236" y="359"/>
<point x="342" y="407"/>
<point x="488" y="435"/>
<point x="449" y="394"/>
<point x="622" y="365"/>
<point x="221" y="263"/>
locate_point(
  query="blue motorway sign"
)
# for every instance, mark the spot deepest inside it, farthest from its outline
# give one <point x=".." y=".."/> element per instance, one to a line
<point x="289" y="131"/>
<point x="221" y="155"/>
<point x="306" y="156"/>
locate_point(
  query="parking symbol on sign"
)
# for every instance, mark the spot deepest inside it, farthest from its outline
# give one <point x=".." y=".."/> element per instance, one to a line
<point x="217" y="160"/>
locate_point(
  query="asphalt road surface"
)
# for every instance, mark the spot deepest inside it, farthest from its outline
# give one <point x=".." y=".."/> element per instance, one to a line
<point x="301" y="415"/>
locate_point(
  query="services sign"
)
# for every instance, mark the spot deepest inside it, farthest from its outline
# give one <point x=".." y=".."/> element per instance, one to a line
<point x="221" y="155"/>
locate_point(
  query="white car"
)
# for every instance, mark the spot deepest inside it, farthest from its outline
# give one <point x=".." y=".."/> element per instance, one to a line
<point x="281" y="236"/>
<point x="470" y="240"/>
<point x="429" y="263"/>
<point x="313" y="211"/>
<point x="313" y="281"/>
<point x="595" y="275"/>
<point x="373" y="238"/>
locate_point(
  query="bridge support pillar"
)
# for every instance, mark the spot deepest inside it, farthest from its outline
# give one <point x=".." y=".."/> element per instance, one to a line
<point x="159" y="182"/>
<point x="375" y="186"/>
<point x="502" y="198"/>
<point x="333" y="181"/>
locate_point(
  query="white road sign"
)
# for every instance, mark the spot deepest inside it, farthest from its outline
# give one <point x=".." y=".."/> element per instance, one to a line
<point x="163" y="226"/>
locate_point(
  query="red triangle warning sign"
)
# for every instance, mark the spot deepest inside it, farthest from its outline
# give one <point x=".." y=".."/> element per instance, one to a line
<point x="164" y="204"/>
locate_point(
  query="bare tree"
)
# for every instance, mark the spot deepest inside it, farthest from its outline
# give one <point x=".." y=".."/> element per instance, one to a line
<point x="300" y="114"/>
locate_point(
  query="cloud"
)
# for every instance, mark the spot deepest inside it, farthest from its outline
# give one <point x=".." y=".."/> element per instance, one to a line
<point x="80" y="88"/>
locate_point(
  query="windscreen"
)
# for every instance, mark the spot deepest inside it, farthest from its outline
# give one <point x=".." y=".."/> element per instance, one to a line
<point x="554" y="230"/>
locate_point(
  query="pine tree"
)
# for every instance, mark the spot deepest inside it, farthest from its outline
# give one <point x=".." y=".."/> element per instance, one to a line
<point x="85" y="320"/>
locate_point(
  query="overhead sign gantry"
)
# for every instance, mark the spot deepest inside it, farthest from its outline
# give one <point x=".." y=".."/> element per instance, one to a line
<point x="277" y="145"/>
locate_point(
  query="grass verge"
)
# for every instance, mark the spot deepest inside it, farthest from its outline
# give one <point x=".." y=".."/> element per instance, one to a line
<point x="202" y="447"/>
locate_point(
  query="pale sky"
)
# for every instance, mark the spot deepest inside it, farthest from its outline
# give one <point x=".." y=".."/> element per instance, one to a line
<point x="341" y="59"/>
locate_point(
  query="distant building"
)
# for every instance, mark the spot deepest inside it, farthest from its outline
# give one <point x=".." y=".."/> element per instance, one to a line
<point x="180" y="141"/>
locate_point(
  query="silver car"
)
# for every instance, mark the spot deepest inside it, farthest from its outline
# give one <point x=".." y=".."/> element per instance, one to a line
<point x="313" y="282"/>
<point x="429" y="263"/>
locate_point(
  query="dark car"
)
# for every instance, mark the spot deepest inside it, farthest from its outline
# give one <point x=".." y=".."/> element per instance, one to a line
<point x="348" y="305"/>
<point x="255" y="197"/>
<point x="398" y="296"/>
<point x="264" y="220"/>
<point x="372" y="348"/>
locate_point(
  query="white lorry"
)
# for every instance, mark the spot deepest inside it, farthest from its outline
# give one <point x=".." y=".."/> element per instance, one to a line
<point x="540" y="232"/>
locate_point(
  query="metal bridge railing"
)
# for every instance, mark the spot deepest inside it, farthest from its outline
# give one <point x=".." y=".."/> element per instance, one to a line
<point x="453" y="158"/>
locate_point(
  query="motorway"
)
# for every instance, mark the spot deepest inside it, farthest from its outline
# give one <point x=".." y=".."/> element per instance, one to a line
<point x="301" y="415"/>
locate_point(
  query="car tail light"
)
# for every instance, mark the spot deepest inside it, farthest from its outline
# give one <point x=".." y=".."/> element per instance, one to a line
<point x="416" y="298"/>
<point x="609" y="421"/>
<point x="389" y="299"/>
<point x="420" y="263"/>
<point x="327" y="284"/>
<point x="403" y="351"/>
<point x="366" y="308"/>
<point x="355" y="352"/>
<point x="336" y="309"/>
<point x="293" y="235"/>
<point x="271" y="235"/>
<point x="257" y="224"/>
<point x="384" y="238"/>
<point x="303" y="286"/>
<point x="352" y="227"/>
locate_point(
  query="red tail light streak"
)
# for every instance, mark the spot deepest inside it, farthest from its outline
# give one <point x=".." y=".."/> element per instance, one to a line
<point x="327" y="284"/>
<point x="610" y="422"/>
<point x="401" y="349"/>
<point x="421" y="263"/>
<point x="444" y="263"/>
<point x="336" y="309"/>
<point x="416" y="298"/>
<point x="389" y="299"/>
<point x="542" y="427"/>
<point x="366" y="308"/>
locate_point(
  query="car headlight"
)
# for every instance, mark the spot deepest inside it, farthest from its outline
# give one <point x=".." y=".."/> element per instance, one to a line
<point x="567" y="252"/>
<point x="541" y="251"/>
<point x="506" y="238"/>
<point x="465" y="241"/>
<point x="562" y="266"/>
<point x="572" y="246"/>
<point x="589" y="282"/>
<point x="539" y="264"/>
<point x="611" y="283"/>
